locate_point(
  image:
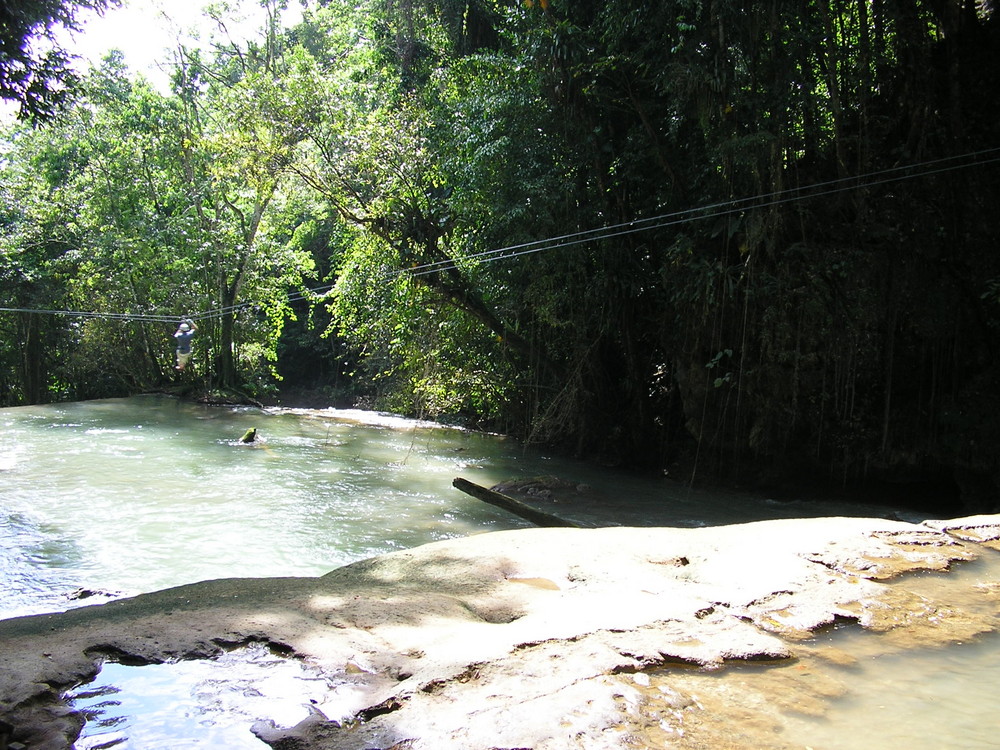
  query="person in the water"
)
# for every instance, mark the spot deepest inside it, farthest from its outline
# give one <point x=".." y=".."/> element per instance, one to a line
<point x="184" y="335"/>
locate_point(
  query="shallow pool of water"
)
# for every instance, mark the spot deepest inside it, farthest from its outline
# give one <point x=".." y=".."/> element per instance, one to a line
<point x="851" y="689"/>
<point x="919" y="700"/>
<point x="198" y="704"/>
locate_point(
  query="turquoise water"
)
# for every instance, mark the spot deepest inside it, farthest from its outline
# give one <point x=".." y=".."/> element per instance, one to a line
<point x="133" y="495"/>
<point x="142" y="494"/>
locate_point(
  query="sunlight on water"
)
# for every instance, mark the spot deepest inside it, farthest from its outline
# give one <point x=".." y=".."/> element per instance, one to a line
<point x="205" y="704"/>
<point x="145" y="493"/>
<point x="922" y="700"/>
<point x="919" y="699"/>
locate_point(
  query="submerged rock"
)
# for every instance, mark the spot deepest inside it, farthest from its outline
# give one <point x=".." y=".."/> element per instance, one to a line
<point x="547" y="487"/>
<point x="526" y="638"/>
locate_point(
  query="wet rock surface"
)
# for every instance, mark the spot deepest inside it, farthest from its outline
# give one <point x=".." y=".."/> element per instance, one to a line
<point x="541" y="638"/>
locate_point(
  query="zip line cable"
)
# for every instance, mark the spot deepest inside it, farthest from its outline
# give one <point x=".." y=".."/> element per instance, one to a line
<point x="732" y="206"/>
<point x="149" y="318"/>
<point x="711" y="211"/>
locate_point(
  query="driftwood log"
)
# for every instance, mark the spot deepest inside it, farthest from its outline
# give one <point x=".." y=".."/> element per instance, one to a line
<point x="537" y="517"/>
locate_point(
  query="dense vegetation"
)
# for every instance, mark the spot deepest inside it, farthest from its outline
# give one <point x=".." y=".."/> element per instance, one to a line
<point x="756" y="240"/>
<point x="35" y="72"/>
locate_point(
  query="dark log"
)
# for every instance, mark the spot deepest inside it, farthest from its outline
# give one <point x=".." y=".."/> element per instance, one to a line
<point x="537" y="517"/>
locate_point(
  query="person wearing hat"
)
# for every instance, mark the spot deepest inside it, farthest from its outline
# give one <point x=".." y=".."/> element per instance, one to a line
<point x="184" y="334"/>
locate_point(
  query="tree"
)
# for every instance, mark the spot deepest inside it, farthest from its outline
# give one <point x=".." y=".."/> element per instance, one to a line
<point x="768" y="329"/>
<point x="34" y="72"/>
<point x="174" y="209"/>
<point x="373" y="155"/>
<point x="241" y="127"/>
<point x="795" y="332"/>
<point x="93" y="187"/>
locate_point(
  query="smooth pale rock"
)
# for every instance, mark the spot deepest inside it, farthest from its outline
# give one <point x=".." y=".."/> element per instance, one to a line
<point x="508" y="639"/>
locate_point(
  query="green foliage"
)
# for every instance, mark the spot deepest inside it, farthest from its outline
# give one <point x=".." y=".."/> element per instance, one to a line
<point x="176" y="210"/>
<point x="38" y="75"/>
<point x="443" y="166"/>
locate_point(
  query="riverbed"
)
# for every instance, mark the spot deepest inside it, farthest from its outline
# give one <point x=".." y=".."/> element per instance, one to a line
<point x="109" y="498"/>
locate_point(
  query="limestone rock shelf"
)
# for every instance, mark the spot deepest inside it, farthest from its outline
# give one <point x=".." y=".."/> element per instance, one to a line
<point x="526" y="638"/>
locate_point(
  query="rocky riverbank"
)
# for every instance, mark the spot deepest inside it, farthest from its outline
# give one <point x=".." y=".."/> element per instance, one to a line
<point x="535" y="638"/>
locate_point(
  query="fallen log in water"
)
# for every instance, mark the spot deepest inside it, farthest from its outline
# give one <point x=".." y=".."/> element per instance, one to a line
<point x="537" y="517"/>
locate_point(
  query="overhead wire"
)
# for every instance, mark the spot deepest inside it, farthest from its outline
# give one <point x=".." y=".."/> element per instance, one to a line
<point x="715" y="210"/>
<point x="141" y="317"/>
<point x="698" y="213"/>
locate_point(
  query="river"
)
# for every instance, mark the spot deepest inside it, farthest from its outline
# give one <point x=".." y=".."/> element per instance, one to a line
<point x="122" y="496"/>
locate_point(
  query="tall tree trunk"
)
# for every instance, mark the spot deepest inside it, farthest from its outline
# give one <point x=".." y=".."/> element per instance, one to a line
<point x="226" y="362"/>
<point x="32" y="364"/>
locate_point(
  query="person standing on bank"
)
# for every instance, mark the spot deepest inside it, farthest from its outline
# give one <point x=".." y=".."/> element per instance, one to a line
<point x="184" y="335"/>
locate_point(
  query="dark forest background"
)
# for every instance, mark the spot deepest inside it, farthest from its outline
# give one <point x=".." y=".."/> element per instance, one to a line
<point x="751" y="242"/>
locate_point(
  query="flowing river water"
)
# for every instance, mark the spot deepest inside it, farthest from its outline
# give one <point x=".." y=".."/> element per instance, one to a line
<point x="126" y="496"/>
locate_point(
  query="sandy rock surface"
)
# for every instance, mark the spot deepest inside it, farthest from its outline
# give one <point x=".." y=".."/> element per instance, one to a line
<point x="529" y="638"/>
